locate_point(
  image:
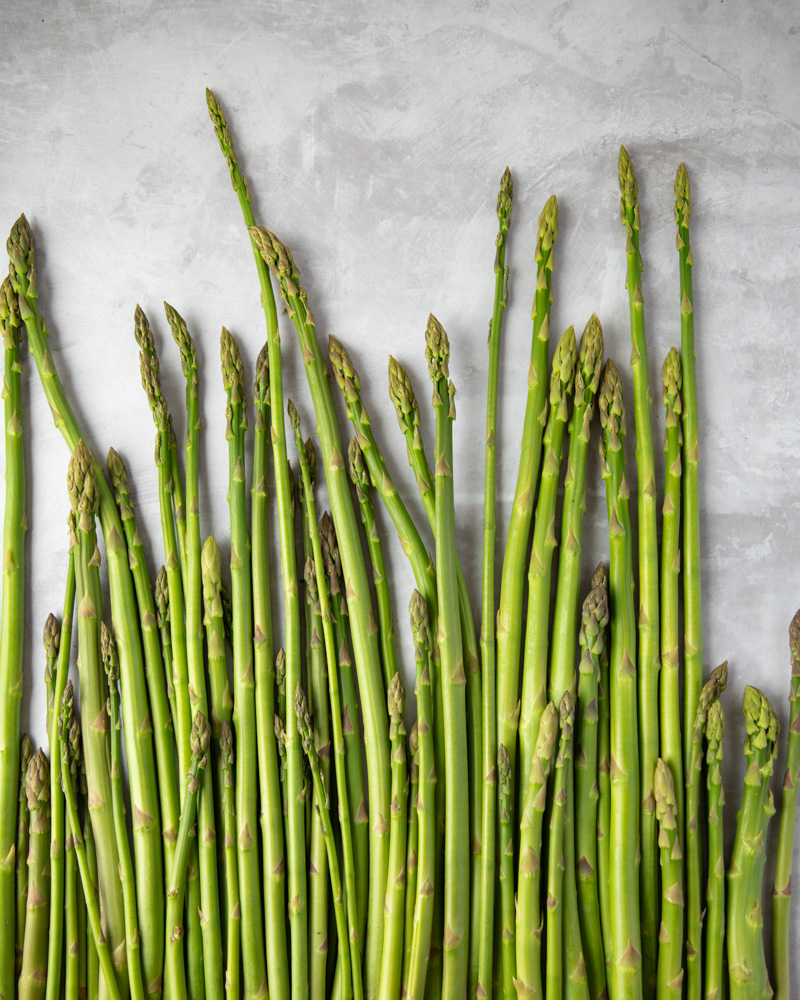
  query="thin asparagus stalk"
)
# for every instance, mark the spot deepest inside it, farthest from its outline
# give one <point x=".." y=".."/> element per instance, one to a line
<point x="715" y="892"/>
<point x="231" y="876"/>
<point x="692" y="608"/>
<point x="51" y="636"/>
<point x="670" y="705"/>
<point x="625" y="961"/>
<point x="782" y="886"/>
<point x="72" y="758"/>
<point x="317" y="585"/>
<point x="592" y="638"/>
<point x="746" y="959"/>
<point x="84" y="499"/>
<point x="71" y="922"/>
<point x="91" y="981"/>
<point x="530" y="920"/>
<point x="322" y="804"/>
<point x="554" y="979"/>
<point x="648" y="653"/>
<point x="359" y="605"/>
<point x="158" y="667"/>
<point x="280" y="683"/>
<point x="670" y="937"/>
<point x="26" y="751"/>
<point x="273" y="848"/>
<point x="174" y="973"/>
<point x="600" y="579"/>
<point x="59" y="669"/>
<point x="108" y="649"/>
<point x="136" y="720"/>
<point x="32" y="980"/>
<point x="695" y="896"/>
<point x="412" y="846"/>
<point x="414" y="983"/>
<point x="161" y="596"/>
<point x="12" y="631"/>
<point x="244" y="713"/>
<point x="505" y="784"/>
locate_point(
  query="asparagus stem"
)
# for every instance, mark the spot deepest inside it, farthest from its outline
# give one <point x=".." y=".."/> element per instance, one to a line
<point x="174" y="973"/>
<point x="12" y="631"/>
<point x="592" y="638"/>
<point x="359" y="605"/>
<point x="138" y="731"/>
<point x="715" y="892"/>
<point x="625" y="961"/>
<point x="746" y="959"/>
<point x="231" y="876"/>
<point x="670" y="705"/>
<point x="161" y="596"/>
<point x="92" y="978"/>
<point x="32" y="980"/>
<point x="530" y="920"/>
<point x="72" y="758"/>
<point x="71" y="923"/>
<point x="670" y="937"/>
<point x="782" y="886"/>
<point x="414" y="983"/>
<point x="26" y="751"/>
<point x="505" y="784"/>
<point x="412" y="847"/>
<point x="600" y="579"/>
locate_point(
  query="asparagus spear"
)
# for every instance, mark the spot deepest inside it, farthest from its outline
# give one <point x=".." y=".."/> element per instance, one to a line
<point x="505" y="785"/>
<point x="648" y="661"/>
<point x="72" y="759"/>
<point x="412" y="846"/>
<point x="231" y="877"/>
<point x="71" y="923"/>
<point x="694" y="840"/>
<point x="670" y="937"/>
<point x="33" y="976"/>
<point x="530" y="920"/>
<point x="600" y="579"/>
<point x="138" y="734"/>
<point x="592" y="638"/>
<point x="108" y="650"/>
<point x="26" y="751"/>
<point x="12" y="631"/>
<point x="715" y="892"/>
<point x="625" y="960"/>
<point x="670" y="714"/>
<point x="161" y="596"/>
<point x="90" y="978"/>
<point x="359" y="605"/>
<point x="51" y="634"/>
<point x="174" y="974"/>
<point x="84" y="499"/>
<point x="782" y="886"/>
<point x="746" y="959"/>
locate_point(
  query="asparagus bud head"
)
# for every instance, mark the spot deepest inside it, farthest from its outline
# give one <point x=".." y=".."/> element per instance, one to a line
<point x="232" y="376"/>
<point x="358" y="469"/>
<point x="683" y="206"/>
<point x="629" y="194"/>
<point x="395" y="701"/>
<point x="612" y="411"/>
<point x="664" y="791"/>
<point x="10" y="318"/>
<point x="402" y="395"/>
<point x="548" y="230"/>
<point x="108" y="652"/>
<point x="37" y="780"/>
<point x="715" y="731"/>
<point x="437" y="350"/>
<point x="549" y="726"/>
<point x="600" y="576"/>
<point x="504" y="199"/>
<point x="181" y="336"/>
<point x="21" y="247"/>
<point x="51" y="635"/>
<point x="345" y="374"/>
<point x="562" y="376"/>
<point x="261" y="388"/>
<point x="590" y="361"/>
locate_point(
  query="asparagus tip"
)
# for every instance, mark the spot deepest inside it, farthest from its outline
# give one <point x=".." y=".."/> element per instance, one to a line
<point x="37" y="780"/>
<point x="437" y="349"/>
<point x="51" y="634"/>
<point x="683" y="204"/>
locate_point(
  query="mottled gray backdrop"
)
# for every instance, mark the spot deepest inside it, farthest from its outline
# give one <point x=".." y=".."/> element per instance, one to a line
<point x="374" y="136"/>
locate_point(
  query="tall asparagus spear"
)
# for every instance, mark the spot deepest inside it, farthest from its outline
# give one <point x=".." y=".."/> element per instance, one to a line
<point x="648" y="662"/>
<point x="231" y="878"/>
<point x="782" y="887"/>
<point x="26" y="751"/>
<point x="32" y="980"/>
<point x="714" y="985"/>
<point x="412" y="846"/>
<point x="625" y="964"/>
<point x="359" y="605"/>
<point x="138" y="735"/>
<point x="12" y="631"/>
<point x="600" y="579"/>
<point x="505" y="814"/>
<point x="670" y="950"/>
<point x="746" y="959"/>
<point x="71" y="946"/>
<point x="670" y="705"/>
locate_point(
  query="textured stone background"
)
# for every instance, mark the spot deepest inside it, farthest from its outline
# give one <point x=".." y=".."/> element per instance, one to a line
<point x="374" y="136"/>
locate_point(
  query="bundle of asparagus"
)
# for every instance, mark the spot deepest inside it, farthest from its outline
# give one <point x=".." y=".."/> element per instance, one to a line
<point x="541" y="829"/>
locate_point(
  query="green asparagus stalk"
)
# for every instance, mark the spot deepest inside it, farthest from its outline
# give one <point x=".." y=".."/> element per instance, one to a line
<point x="600" y="579"/>
<point x="71" y="923"/>
<point x="782" y="886"/>
<point x="12" y="631"/>
<point x="554" y="978"/>
<point x="108" y="650"/>
<point x="592" y="638"/>
<point x="746" y="959"/>
<point x="625" y="962"/>
<point x="51" y="636"/>
<point x="530" y="920"/>
<point x="161" y="596"/>
<point x="90" y="979"/>
<point x="84" y="499"/>
<point x="59" y="669"/>
<point x="26" y="751"/>
<point x="231" y="874"/>
<point x="505" y="784"/>
<point x="365" y="637"/>
<point x="174" y="973"/>
<point x="32" y="980"/>
<point x="412" y="846"/>
<point x="715" y="892"/>
<point x="280" y="684"/>
<point x="136" y="725"/>
<point x="670" y="937"/>
<point x="670" y="705"/>
<point x="695" y="896"/>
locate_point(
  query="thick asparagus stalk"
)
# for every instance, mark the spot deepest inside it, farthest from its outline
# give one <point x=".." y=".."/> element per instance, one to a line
<point x="26" y="751"/>
<point x="670" y="937"/>
<point x="231" y="873"/>
<point x="715" y="892"/>
<point x="625" y="960"/>
<point x="782" y="887"/>
<point x="12" y="631"/>
<point x="746" y="959"/>
<point x="32" y="980"/>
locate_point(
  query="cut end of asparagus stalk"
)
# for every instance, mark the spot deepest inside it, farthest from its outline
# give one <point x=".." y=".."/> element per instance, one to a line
<point x="683" y="205"/>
